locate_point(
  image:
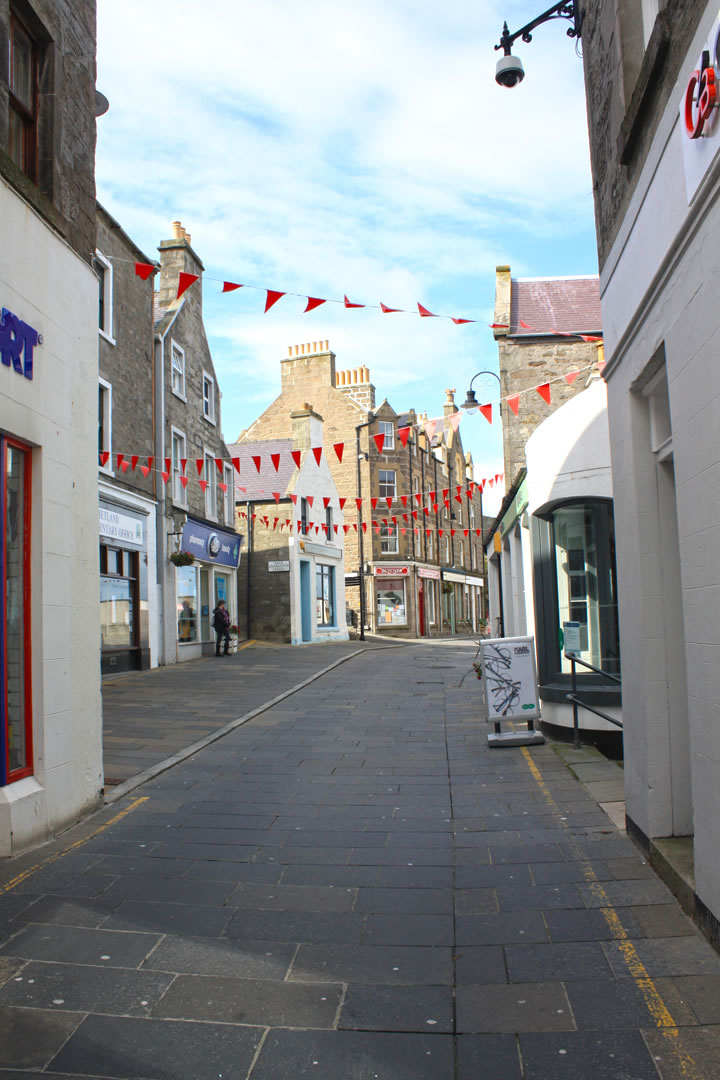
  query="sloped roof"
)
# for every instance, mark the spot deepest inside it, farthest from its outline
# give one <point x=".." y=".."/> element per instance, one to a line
<point x="254" y="486"/>
<point x="551" y="304"/>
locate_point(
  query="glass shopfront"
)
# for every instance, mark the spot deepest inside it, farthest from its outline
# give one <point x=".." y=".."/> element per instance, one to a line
<point x="123" y="588"/>
<point x="16" y="759"/>
<point x="187" y="604"/>
<point x="390" y="602"/>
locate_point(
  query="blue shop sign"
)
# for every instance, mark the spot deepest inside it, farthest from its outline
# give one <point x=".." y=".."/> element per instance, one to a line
<point x="17" y="341"/>
<point x="211" y="545"/>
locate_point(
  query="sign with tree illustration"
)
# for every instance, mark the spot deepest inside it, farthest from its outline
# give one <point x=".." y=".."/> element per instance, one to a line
<point x="509" y="678"/>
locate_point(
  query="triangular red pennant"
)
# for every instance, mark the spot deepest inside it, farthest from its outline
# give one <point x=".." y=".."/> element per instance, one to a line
<point x="440" y="532"/>
<point x="589" y="337"/>
<point x="133" y="461"/>
<point x="275" y="458"/>
<point x="403" y="435"/>
<point x="348" y="304"/>
<point x="199" y="464"/>
<point x="432" y="496"/>
<point x="414" y="514"/>
<point x="389" y="501"/>
<point x="514" y="403"/>
<point x="387" y="310"/>
<point x="364" y="526"/>
<point x="219" y="465"/>
<point x="230" y="286"/>
<point x="326" y="501"/>
<point x="524" y="325"/>
<point x="544" y="391"/>
<point x="276" y="497"/>
<point x="425" y="314"/>
<point x="354" y="526"/>
<point x="184" y="481"/>
<point x="294" y="499"/>
<point x="296" y="456"/>
<point x="373" y="503"/>
<point x="317" y="529"/>
<point x="104" y="458"/>
<point x="317" y="453"/>
<point x="275" y="520"/>
<point x="458" y="322"/>
<point x="404" y="499"/>
<point x="499" y="326"/>
<point x="144" y="270"/>
<point x="338" y="447"/>
<point x="571" y="377"/>
<point x="272" y="298"/>
<point x="342" y="502"/>
<point x="358" y="503"/>
<point x="183" y="464"/>
<point x="379" y="442"/>
<point x="313" y="302"/>
<point x="145" y="470"/>
<point x="335" y="529"/>
<point x="466" y="532"/>
<point x="346" y="529"/>
<point x="184" y="282"/>
<point x="236" y="463"/>
<point x="125" y="465"/>
<point x="203" y="483"/>
<point x="477" y="532"/>
<point x="486" y="410"/>
<point x="257" y="461"/>
<point x="446" y="492"/>
<point x="310" y="499"/>
<point x="168" y="465"/>
<point x="418" y="497"/>
<point x="120" y="459"/>
<point x="150" y="462"/>
<point x="165" y="476"/>
<point x="223" y="487"/>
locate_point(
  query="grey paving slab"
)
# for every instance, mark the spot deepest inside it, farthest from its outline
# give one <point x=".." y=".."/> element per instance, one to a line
<point x="202" y="956"/>
<point x="317" y="927"/>
<point x="667" y="956"/>
<point x="544" y="897"/>
<point x="480" y="1056"/>
<point x="77" y="945"/>
<point x="355" y="1055"/>
<point x="513" y="1008"/>
<point x="293" y="898"/>
<point x="374" y="964"/>
<point x="702" y="992"/>
<point x="29" y="1038"/>
<point x="397" y="1008"/>
<point x="690" y="1050"/>
<point x="151" y="917"/>
<point x="577" y="960"/>
<point x="584" y="1055"/>
<point x="408" y="929"/>
<point x="625" y="893"/>
<point x="480" y="964"/>
<point x="500" y="928"/>
<point x="161" y="1049"/>
<point x="70" y="987"/>
<point x="623" y="1004"/>
<point x="251" y="1001"/>
<point x="582" y="925"/>
<point x="405" y="901"/>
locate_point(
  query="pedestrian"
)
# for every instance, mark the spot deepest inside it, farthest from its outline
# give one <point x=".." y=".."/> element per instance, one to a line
<point x="221" y="625"/>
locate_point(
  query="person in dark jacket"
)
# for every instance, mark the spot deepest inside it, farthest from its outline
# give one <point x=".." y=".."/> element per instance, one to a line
<point x="221" y="625"/>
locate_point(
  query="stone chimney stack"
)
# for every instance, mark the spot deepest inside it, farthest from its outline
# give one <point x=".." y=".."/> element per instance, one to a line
<point x="503" y="301"/>
<point x="176" y="256"/>
<point x="449" y="407"/>
<point x="356" y="384"/>
<point x="305" y="368"/>
<point x="307" y="427"/>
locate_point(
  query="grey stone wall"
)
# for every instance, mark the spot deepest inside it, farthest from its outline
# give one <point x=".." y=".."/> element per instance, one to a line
<point x="65" y="190"/>
<point x="269" y="599"/>
<point x="628" y="88"/>
<point x="128" y="364"/>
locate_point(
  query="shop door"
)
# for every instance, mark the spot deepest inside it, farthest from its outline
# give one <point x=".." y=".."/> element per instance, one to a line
<point x="421" y="607"/>
<point x="305" y="601"/>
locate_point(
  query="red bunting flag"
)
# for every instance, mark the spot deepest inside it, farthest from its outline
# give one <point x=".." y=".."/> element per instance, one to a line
<point x="275" y="525"/>
<point x="276" y="497"/>
<point x="184" y="282"/>
<point x="272" y="298"/>
<point x="317" y="453"/>
<point x="544" y="391"/>
<point x="388" y="500"/>
<point x="440" y="532"/>
<point x="348" y="304"/>
<point x="446" y="492"/>
<point x="342" y="502"/>
<point x="203" y="483"/>
<point x="257" y="461"/>
<point x="144" y="270"/>
<point x="145" y="470"/>
<point x="199" y="464"/>
<point x="373" y="503"/>
<point x="430" y="428"/>
<point x="167" y="464"/>
<point x="524" y="325"/>
<point x="589" y="337"/>
<point x="310" y="499"/>
<point x="120" y="459"/>
<point x="486" y="410"/>
<point x="312" y="303"/>
<point x="358" y="503"/>
<point x="364" y="527"/>
<point x="403" y="531"/>
<point x="326" y="501"/>
<point x="183" y="463"/>
<point x="425" y="314"/>
<point x="455" y="420"/>
<point x="379" y="442"/>
<point x="415" y="514"/>
<point x="426" y="509"/>
<point x="459" y="322"/>
<point x="403" y="435"/>
<point x="223" y="487"/>
<point x="165" y="476"/>
<point x="230" y="286"/>
<point x="387" y="310"/>
<point x="125" y="465"/>
<point x="514" y="403"/>
<point x="477" y="532"/>
<point x="324" y="527"/>
<point x="236" y="463"/>
<point x="184" y="481"/>
<point x="405" y="517"/>
<point x="219" y="465"/>
<point x="571" y="377"/>
<point x="294" y="499"/>
<point x="418" y="497"/>
<point x="453" y="531"/>
<point x="404" y="499"/>
<point x="499" y="326"/>
<point x="104" y="458"/>
<point x="458" y="498"/>
<point x="432" y="496"/>
<point x="338" y="447"/>
<point x="275" y="458"/>
<point x="335" y="529"/>
<point x="346" y="529"/>
<point x="296" y="455"/>
<point x="133" y="461"/>
<point x="466" y="532"/>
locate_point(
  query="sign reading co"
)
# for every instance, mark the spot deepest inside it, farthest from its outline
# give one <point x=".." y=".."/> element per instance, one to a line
<point x="17" y="341"/>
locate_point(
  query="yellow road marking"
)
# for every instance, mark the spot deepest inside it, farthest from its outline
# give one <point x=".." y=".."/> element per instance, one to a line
<point x="78" y="843"/>
<point x="252" y="642"/>
<point x="637" y="970"/>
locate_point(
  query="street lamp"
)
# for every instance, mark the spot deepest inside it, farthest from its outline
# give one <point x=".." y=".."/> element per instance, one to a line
<point x="361" y="572"/>
<point x="509" y="71"/>
<point x="471" y="404"/>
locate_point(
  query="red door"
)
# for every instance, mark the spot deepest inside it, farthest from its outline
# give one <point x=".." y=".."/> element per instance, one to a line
<point x="421" y="606"/>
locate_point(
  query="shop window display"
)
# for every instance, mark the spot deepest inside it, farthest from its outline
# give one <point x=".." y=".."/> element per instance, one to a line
<point x="187" y="598"/>
<point x="15" y="695"/>
<point x="390" y="600"/>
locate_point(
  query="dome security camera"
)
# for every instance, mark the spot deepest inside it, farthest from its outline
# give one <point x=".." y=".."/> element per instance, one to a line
<point x="509" y="71"/>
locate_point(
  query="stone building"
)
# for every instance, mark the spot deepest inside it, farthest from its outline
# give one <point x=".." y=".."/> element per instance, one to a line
<point x="422" y="562"/>
<point x="655" y="151"/>
<point x="50" y="710"/>
<point x="292" y="587"/>
<point x="196" y="507"/>
<point x="129" y="616"/>
<point x="538" y="323"/>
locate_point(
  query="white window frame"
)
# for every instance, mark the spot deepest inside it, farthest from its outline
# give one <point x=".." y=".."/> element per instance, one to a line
<point x="389" y="535"/>
<point x="209" y="414"/>
<point x="430" y="601"/>
<point x="210" y="470"/>
<point x="472" y="516"/>
<point x="462" y="554"/>
<point x="473" y="556"/>
<point x="383" y="426"/>
<point x="174" y="347"/>
<point x="105" y="331"/>
<point x="229" y="495"/>
<point x="107" y="425"/>
<point x="430" y="546"/>
<point x="447" y="551"/>
<point x="383" y="484"/>
<point x="179" y="493"/>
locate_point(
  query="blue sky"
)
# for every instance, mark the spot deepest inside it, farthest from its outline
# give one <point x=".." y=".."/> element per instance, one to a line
<point x="326" y="149"/>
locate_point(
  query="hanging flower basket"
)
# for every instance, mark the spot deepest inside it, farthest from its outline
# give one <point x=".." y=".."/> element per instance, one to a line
<point x="182" y="558"/>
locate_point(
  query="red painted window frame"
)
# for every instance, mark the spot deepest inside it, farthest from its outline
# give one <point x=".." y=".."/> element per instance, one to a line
<point x="27" y="770"/>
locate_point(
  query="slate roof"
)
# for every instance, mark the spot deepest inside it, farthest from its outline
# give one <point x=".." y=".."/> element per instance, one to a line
<point x="548" y="304"/>
<point x="254" y="486"/>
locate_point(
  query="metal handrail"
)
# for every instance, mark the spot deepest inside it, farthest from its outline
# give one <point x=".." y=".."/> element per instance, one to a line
<point x="577" y="701"/>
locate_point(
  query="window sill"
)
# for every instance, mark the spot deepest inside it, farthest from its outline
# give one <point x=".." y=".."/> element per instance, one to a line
<point x="181" y="397"/>
<point x="210" y="420"/>
<point x="107" y="337"/>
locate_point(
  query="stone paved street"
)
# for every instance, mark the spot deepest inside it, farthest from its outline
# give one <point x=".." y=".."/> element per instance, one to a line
<point x="353" y="886"/>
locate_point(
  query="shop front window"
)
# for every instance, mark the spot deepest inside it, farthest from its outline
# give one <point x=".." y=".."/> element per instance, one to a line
<point x="15" y="621"/>
<point x="118" y="577"/>
<point x="390" y="600"/>
<point x="325" y="594"/>
<point x="187" y="597"/>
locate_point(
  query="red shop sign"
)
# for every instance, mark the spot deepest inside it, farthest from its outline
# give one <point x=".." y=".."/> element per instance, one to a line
<point x="700" y="97"/>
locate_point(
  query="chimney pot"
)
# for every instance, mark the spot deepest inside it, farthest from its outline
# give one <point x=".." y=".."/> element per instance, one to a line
<point x="177" y="230"/>
<point x="354" y="375"/>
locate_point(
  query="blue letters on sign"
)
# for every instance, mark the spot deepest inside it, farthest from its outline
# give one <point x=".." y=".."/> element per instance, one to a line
<point x="17" y="341"/>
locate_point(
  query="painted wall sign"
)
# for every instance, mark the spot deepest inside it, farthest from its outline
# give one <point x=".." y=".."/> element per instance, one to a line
<point x="17" y="342"/>
<point x="120" y="527"/>
<point x="699" y="114"/>
<point x="278" y="566"/>
<point x="326" y="550"/>
<point x="211" y="545"/>
<point x="391" y="571"/>
<point x="429" y="572"/>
